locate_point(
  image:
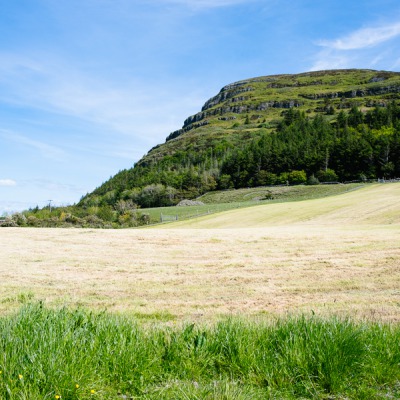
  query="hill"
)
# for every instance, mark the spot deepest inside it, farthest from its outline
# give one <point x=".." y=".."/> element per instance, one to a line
<point x="280" y="130"/>
<point x="326" y="125"/>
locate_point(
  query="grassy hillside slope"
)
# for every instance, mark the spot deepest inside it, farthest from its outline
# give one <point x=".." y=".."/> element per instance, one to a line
<point x="271" y="130"/>
<point x="378" y="204"/>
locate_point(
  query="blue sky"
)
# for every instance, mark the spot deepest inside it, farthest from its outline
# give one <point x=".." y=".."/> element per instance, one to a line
<point x="88" y="87"/>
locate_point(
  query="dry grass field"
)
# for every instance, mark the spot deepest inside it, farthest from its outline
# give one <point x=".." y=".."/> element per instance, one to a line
<point x="337" y="255"/>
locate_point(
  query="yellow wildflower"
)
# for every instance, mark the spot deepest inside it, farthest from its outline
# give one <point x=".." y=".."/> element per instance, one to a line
<point x="20" y="376"/>
<point x="77" y="386"/>
<point x="92" y="391"/>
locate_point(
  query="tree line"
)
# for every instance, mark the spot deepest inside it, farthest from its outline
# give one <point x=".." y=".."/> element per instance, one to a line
<point x="355" y="145"/>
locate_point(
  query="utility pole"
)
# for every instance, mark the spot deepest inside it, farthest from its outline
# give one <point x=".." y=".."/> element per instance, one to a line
<point x="50" y="204"/>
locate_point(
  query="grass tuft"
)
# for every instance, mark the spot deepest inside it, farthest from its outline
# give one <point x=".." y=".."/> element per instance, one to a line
<point x="76" y="354"/>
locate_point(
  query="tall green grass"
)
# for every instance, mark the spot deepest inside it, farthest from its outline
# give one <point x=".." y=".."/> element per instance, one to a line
<point x="75" y="354"/>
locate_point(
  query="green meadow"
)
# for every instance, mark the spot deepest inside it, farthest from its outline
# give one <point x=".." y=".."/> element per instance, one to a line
<point x="77" y="354"/>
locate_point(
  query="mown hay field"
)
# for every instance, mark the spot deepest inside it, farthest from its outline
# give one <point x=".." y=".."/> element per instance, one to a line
<point x="336" y="255"/>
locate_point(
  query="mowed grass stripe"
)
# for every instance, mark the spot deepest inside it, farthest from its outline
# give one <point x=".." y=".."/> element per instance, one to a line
<point x="378" y="204"/>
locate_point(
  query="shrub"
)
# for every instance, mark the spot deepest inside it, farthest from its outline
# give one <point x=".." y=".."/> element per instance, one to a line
<point x="266" y="178"/>
<point x="93" y="221"/>
<point x="297" y="177"/>
<point x="312" y="180"/>
<point x="33" y="221"/>
<point x="9" y="222"/>
<point x="363" y="178"/>
<point x="328" y="175"/>
<point x="225" y="182"/>
<point x="106" y="213"/>
<point x="19" y="219"/>
<point x="293" y="177"/>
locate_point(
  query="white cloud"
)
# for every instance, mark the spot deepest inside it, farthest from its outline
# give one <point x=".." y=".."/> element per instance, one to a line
<point x="7" y="182"/>
<point x="329" y="60"/>
<point x="46" y="150"/>
<point x="52" y="186"/>
<point x="370" y="47"/>
<point x="362" y="38"/>
<point x="130" y="107"/>
<point x="201" y="4"/>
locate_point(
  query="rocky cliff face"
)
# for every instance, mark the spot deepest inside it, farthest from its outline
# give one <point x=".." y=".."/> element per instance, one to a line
<point x="302" y="90"/>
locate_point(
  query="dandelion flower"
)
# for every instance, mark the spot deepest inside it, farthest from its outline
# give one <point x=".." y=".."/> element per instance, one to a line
<point x="20" y="376"/>
<point x="57" y="396"/>
<point x="76" y="386"/>
<point x="92" y="391"/>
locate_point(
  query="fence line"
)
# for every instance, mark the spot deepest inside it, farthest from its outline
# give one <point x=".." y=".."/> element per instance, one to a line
<point x="200" y="215"/>
<point x="168" y="218"/>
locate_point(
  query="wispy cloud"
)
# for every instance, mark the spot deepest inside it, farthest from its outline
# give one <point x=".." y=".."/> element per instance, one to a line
<point x="396" y="63"/>
<point x="124" y="107"/>
<point x="7" y="182"/>
<point x="362" y="38"/>
<point x="202" y="4"/>
<point x="52" y="186"/>
<point x="363" y="48"/>
<point x="41" y="191"/>
<point x="46" y="150"/>
<point x="327" y="59"/>
<point x="10" y="207"/>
